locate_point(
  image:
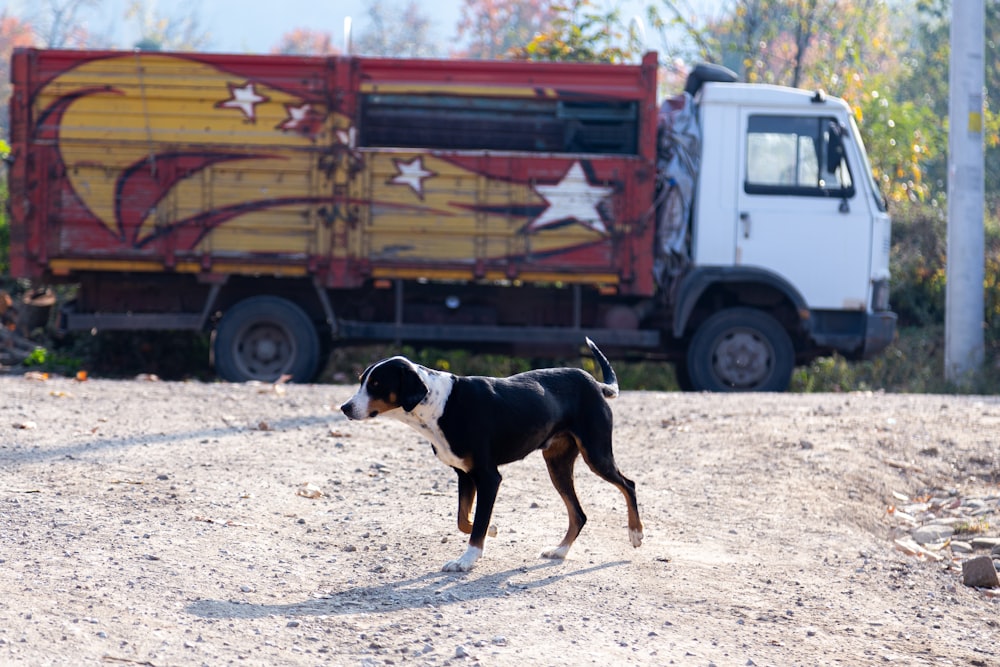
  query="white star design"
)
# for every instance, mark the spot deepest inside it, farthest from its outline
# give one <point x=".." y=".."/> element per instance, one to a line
<point x="572" y="198"/>
<point x="243" y="98"/>
<point x="411" y="173"/>
<point x="296" y="116"/>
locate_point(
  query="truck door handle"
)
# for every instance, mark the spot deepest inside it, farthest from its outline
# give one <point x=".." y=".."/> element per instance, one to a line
<point x="745" y="220"/>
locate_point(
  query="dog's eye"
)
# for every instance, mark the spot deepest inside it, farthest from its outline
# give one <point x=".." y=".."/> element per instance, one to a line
<point x="373" y="383"/>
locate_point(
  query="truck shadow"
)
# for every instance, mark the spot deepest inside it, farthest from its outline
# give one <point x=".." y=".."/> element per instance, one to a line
<point x="434" y="589"/>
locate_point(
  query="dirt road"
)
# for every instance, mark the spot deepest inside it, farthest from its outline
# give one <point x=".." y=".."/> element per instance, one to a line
<point x="158" y="523"/>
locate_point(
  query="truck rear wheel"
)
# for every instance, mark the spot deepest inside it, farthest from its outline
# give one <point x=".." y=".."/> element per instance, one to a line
<point x="740" y="349"/>
<point x="263" y="338"/>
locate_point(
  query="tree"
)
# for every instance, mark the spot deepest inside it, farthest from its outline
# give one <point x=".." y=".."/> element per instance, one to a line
<point x="178" y="31"/>
<point x="305" y="42"/>
<point x="850" y="48"/>
<point x="396" y="32"/>
<point x="59" y="24"/>
<point x="13" y="34"/>
<point x="495" y="28"/>
<point x="580" y="32"/>
<point x="925" y="81"/>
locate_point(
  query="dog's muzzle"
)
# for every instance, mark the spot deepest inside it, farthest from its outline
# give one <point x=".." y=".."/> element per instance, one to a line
<point x="350" y="410"/>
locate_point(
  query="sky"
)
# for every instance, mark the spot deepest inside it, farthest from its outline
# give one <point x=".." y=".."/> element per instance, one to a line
<point x="256" y="26"/>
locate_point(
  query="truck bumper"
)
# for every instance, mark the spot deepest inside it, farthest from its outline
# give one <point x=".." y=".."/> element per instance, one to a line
<point x="854" y="334"/>
<point x="880" y="331"/>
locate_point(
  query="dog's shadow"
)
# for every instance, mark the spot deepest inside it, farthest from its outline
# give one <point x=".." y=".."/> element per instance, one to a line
<point x="434" y="589"/>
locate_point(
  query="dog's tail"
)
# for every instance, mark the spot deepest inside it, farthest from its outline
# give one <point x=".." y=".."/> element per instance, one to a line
<point x="610" y="385"/>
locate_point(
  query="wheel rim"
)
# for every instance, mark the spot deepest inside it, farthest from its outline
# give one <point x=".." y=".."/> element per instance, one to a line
<point x="742" y="359"/>
<point x="264" y="350"/>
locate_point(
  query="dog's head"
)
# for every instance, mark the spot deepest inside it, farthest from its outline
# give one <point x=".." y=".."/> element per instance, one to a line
<point x="386" y="385"/>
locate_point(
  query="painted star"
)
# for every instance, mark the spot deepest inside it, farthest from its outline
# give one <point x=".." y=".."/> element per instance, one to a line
<point x="243" y="98"/>
<point x="303" y="119"/>
<point x="572" y="198"/>
<point x="297" y="116"/>
<point x="411" y="173"/>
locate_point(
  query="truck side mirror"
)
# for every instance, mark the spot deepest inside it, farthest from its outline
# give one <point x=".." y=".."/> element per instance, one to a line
<point x="834" y="147"/>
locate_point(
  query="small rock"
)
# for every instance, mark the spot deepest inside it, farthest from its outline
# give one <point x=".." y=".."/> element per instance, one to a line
<point x="932" y="533"/>
<point x="461" y="652"/>
<point x="985" y="542"/>
<point x="246" y="589"/>
<point x="959" y="547"/>
<point x="979" y="572"/>
<point x="292" y="624"/>
<point x="499" y="640"/>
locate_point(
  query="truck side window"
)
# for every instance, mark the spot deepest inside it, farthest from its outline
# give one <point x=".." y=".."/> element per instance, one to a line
<point x="454" y="122"/>
<point x="797" y="155"/>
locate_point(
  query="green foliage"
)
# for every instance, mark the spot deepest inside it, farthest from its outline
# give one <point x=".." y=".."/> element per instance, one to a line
<point x="581" y="32"/>
<point x="918" y="265"/>
<point x="923" y="80"/>
<point x="902" y="138"/>
<point x="37" y="357"/>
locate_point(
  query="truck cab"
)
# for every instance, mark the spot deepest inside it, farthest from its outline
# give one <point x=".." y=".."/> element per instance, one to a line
<point x="789" y="239"/>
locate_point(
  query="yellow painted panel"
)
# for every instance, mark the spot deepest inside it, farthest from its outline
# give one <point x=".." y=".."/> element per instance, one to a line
<point x="423" y="209"/>
<point x="182" y="141"/>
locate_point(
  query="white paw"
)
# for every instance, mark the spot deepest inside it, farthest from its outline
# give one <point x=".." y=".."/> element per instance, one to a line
<point x="557" y="553"/>
<point x="635" y="537"/>
<point x="465" y="563"/>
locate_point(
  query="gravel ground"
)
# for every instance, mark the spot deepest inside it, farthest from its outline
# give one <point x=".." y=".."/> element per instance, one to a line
<point x="158" y="523"/>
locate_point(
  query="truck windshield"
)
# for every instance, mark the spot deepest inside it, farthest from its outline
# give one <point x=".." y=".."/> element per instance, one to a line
<point x="867" y="168"/>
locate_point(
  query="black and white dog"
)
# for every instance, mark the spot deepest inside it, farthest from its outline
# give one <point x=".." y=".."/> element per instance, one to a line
<point x="476" y="424"/>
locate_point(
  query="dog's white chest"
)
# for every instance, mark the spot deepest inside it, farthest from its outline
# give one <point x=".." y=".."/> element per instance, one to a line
<point x="424" y="418"/>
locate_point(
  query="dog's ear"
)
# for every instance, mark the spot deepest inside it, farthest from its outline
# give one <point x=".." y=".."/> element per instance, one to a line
<point x="412" y="390"/>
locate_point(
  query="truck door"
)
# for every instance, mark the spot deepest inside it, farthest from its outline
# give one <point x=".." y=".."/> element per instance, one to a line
<point x="799" y="214"/>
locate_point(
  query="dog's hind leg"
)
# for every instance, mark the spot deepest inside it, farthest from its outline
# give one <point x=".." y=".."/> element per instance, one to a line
<point x="602" y="462"/>
<point x="560" y="456"/>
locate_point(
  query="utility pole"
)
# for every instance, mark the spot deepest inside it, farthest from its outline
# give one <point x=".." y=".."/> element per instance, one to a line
<point x="964" y="300"/>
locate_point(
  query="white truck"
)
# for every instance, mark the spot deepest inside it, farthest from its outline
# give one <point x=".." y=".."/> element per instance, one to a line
<point x="772" y="208"/>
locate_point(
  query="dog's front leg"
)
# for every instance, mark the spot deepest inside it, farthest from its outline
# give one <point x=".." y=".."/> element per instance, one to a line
<point x="466" y="495"/>
<point x="487" y="483"/>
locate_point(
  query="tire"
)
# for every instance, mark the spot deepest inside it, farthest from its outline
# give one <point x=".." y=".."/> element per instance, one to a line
<point x="740" y="349"/>
<point x="263" y="338"/>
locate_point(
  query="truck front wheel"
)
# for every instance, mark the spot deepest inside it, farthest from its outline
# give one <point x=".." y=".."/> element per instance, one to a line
<point x="263" y="338"/>
<point x="740" y="349"/>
